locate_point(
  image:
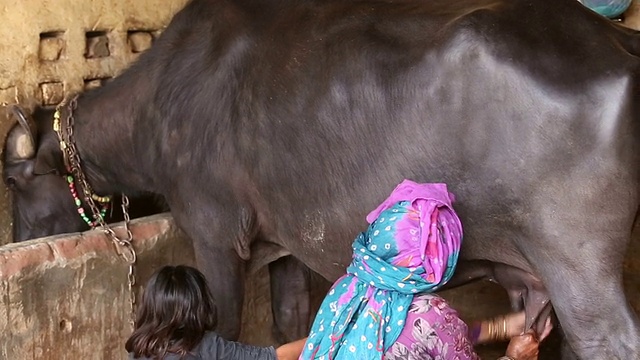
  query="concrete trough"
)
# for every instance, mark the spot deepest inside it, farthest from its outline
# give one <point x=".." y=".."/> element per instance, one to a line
<point x="66" y="297"/>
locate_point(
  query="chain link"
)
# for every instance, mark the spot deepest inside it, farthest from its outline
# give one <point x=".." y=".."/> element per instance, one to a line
<point x="123" y="245"/>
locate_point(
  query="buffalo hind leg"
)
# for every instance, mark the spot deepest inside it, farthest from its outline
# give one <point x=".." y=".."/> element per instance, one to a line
<point x="290" y="299"/>
<point x="582" y="270"/>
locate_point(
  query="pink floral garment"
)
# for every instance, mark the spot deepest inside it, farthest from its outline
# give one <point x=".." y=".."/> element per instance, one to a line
<point x="433" y="331"/>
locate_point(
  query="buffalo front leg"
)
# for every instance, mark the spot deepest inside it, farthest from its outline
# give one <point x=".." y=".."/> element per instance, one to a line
<point x="290" y="299"/>
<point x="221" y="246"/>
<point x="225" y="275"/>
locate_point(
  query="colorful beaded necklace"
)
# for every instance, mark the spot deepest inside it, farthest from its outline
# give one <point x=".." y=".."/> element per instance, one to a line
<point x="103" y="203"/>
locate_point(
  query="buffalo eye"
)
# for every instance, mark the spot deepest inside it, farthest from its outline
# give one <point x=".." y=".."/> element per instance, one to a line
<point x="10" y="181"/>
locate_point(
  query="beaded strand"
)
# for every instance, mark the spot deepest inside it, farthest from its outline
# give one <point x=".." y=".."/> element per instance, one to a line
<point x="103" y="203"/>
<point x="63" y="146"/>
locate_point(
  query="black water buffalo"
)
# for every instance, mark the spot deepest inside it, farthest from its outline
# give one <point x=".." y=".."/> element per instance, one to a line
<point x="283" y="122"/>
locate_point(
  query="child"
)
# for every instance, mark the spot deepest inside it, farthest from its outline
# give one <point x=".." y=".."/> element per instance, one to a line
<point x="177" y="318"/>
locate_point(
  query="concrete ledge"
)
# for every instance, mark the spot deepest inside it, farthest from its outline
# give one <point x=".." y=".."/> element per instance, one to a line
<point x="65" y="249"/>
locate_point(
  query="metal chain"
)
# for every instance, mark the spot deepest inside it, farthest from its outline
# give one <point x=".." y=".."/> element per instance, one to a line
<point x="123" y="245"/>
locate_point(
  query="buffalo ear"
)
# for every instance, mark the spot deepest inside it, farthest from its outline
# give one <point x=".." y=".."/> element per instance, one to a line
<point x="20" y="142"/>
<point x="48" y="159"/>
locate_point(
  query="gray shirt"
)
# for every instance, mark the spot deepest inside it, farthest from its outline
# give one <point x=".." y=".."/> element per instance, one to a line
<point x="213" y="347"/>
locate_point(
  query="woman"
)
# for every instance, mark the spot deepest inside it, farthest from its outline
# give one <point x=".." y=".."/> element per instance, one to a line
<point x="383" y="306"/>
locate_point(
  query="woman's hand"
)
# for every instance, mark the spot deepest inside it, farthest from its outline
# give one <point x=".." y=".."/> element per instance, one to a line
<point x="523" y="347"/>
<point x="516" y="322"/>
<point x="505" y="327"/>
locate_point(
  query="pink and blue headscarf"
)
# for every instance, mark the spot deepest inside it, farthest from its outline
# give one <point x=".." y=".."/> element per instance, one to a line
<point x="411" y="246"/>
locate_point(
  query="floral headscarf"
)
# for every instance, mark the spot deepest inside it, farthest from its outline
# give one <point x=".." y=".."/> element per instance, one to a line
<point x="411" y="246"/>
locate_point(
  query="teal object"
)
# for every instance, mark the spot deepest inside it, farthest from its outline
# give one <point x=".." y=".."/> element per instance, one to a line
<point x="608" y="8"/>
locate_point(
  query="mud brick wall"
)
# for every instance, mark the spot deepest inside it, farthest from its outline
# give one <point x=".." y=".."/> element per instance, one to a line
<point x="50" y="48"/>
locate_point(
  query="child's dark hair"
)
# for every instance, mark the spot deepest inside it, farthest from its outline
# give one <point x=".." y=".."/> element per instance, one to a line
<point x="177" y="309"/>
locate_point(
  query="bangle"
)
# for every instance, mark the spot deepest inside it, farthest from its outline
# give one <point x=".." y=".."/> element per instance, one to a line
<point x="490" y="334"/>
<point x="500" y="332"/>
<point x="505" y="357"/>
